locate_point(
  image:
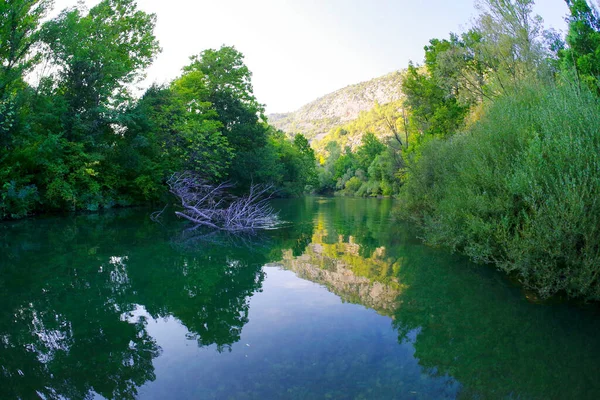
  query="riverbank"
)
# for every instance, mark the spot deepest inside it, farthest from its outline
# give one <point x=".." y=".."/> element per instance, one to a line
<point x="519" y="190"/>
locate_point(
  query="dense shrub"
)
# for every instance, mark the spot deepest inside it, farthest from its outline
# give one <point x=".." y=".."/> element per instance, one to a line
<point x="520" y="189"/>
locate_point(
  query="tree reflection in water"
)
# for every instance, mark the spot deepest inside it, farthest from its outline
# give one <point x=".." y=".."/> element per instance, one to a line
<point x="464" y="320"/>
<point x="75" y="292"/>
<point x="70" y="288"/>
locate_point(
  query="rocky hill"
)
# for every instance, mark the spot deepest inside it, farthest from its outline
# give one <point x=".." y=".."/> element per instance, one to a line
<point x="317" y="118"/>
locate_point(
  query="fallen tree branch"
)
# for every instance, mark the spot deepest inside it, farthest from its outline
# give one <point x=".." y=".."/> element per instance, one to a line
<point x="213" y="207"/>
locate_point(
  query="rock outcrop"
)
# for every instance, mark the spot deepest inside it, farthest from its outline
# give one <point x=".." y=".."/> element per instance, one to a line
<point x="317" y="118"/>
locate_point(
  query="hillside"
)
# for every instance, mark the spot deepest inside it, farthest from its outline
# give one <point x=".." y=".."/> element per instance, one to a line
<point x="317" y="118"/>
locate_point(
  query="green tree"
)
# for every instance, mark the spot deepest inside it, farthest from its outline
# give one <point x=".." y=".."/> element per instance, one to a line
<point x="98" y="55"/>
<point x="433" y="110"/>
<point x="228" y="88"/>
<point x="18" y="34"/>
<point x="205" y="147"/>
<point x="307" y="161"/>
<point x="326" y="171"/>
<point x="512" y="43"/>
<point x="583" y="40"/>
<point x="458" y="66"/>
<point x="369" y="149"/>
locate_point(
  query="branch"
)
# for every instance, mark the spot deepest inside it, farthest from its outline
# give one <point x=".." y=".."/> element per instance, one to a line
<point x="212" y="207"/>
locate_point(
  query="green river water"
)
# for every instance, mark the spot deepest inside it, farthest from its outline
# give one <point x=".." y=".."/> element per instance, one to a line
<point x="344" y="302"/>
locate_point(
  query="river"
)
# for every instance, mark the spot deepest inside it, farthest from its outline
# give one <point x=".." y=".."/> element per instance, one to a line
<point x="344" y="302"/>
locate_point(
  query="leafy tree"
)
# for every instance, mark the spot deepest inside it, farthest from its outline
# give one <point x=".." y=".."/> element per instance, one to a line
<point x="205" y="146"/>
<point x="433" y="111"/>
<point x="583" y="40"/>
<point x="98" y="54"/>
<point x="458" y="67"/>
<point x="67" y="133"/>
<point x="289" y="165"/>
<point x="228" y="88"/>
<point x="326" y="172"/>
<point x="369" y="149"/>
<point x="512" y="42"/>
<point x="307" y="160"/>
<point x="18" y="35"/>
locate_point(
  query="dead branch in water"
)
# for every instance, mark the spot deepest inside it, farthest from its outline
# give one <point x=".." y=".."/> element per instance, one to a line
<point x="207" y="205"/>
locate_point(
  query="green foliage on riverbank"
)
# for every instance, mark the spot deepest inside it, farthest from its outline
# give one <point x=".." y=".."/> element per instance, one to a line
<point x="494" y="147"/>
<point x="77" y="139"/>
<point x="518" y="187"/>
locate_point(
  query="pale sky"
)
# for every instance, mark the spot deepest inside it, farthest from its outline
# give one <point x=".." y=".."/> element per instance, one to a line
<point x="299" y="50"/>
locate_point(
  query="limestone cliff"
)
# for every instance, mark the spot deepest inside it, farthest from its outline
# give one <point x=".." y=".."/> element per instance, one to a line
<point x="317" y="118"/>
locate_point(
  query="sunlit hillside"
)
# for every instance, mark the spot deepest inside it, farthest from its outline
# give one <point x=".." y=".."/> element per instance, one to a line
<point x="339" y="108"/>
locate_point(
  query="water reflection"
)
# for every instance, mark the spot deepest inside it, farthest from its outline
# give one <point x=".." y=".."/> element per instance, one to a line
<point x="70" y="288"/>
<point x="119" y="306"/>
<point x="472" y="323"/>
<point x="344" y="272"/>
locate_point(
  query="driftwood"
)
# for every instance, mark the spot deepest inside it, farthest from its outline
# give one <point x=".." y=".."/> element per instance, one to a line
<point x="211" y="206"/>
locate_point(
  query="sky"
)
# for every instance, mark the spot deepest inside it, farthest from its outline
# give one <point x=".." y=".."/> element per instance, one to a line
<point x="299" y="50"/>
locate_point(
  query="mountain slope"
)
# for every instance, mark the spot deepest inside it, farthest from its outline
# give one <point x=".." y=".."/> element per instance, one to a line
<point x="317" y="118"/>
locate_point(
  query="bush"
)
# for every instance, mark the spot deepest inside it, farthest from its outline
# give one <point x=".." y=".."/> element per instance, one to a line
<point x="520" y="189"/>
<point x="17" y="201"/>
<point x="352" y="185"/>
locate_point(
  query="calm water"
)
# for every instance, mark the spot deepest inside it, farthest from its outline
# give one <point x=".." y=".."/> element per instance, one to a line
<point x="344" y="303"/>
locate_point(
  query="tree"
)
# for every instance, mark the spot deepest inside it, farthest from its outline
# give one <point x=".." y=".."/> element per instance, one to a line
<point x="511" y="46"/>
<point x="583" y="40"/>
<point x="369" y="149"/>
<point x="18" y="34"/>
<point x="327" y="171"/>
<point x="458" y="67"/>
<point x="433" y="110"/>
<point x="307" y="162"/>
<point x="395" y="119"/>
<point x="163" y="135"/>
<point x="188" y="122"/>
<point x="98" y="54"/>
<point x="69" y="130"/>
<point x="227" y="87"/>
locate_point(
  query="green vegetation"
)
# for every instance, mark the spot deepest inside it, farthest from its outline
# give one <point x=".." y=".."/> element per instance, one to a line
<point x="583" y="40"/>
<point x="493" y="150"/>
<point x="491" y="143"/>
<point x="76" y="139"/>
<point x="371" y="166"/>
<point x="518" y="187"/>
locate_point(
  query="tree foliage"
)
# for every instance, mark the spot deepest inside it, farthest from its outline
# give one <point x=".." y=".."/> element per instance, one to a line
<point x="583" y="40"/>
<point x="19" y="34"/>
<point x="226" y="82"/>
<point x="97" y="54"/>
<point x="77" y="138"/>
<point x="516" y="187"/>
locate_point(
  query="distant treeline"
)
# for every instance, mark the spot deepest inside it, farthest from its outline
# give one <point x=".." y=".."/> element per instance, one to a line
<point x="495" y="149"/>
<point x="72" y="137"/>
